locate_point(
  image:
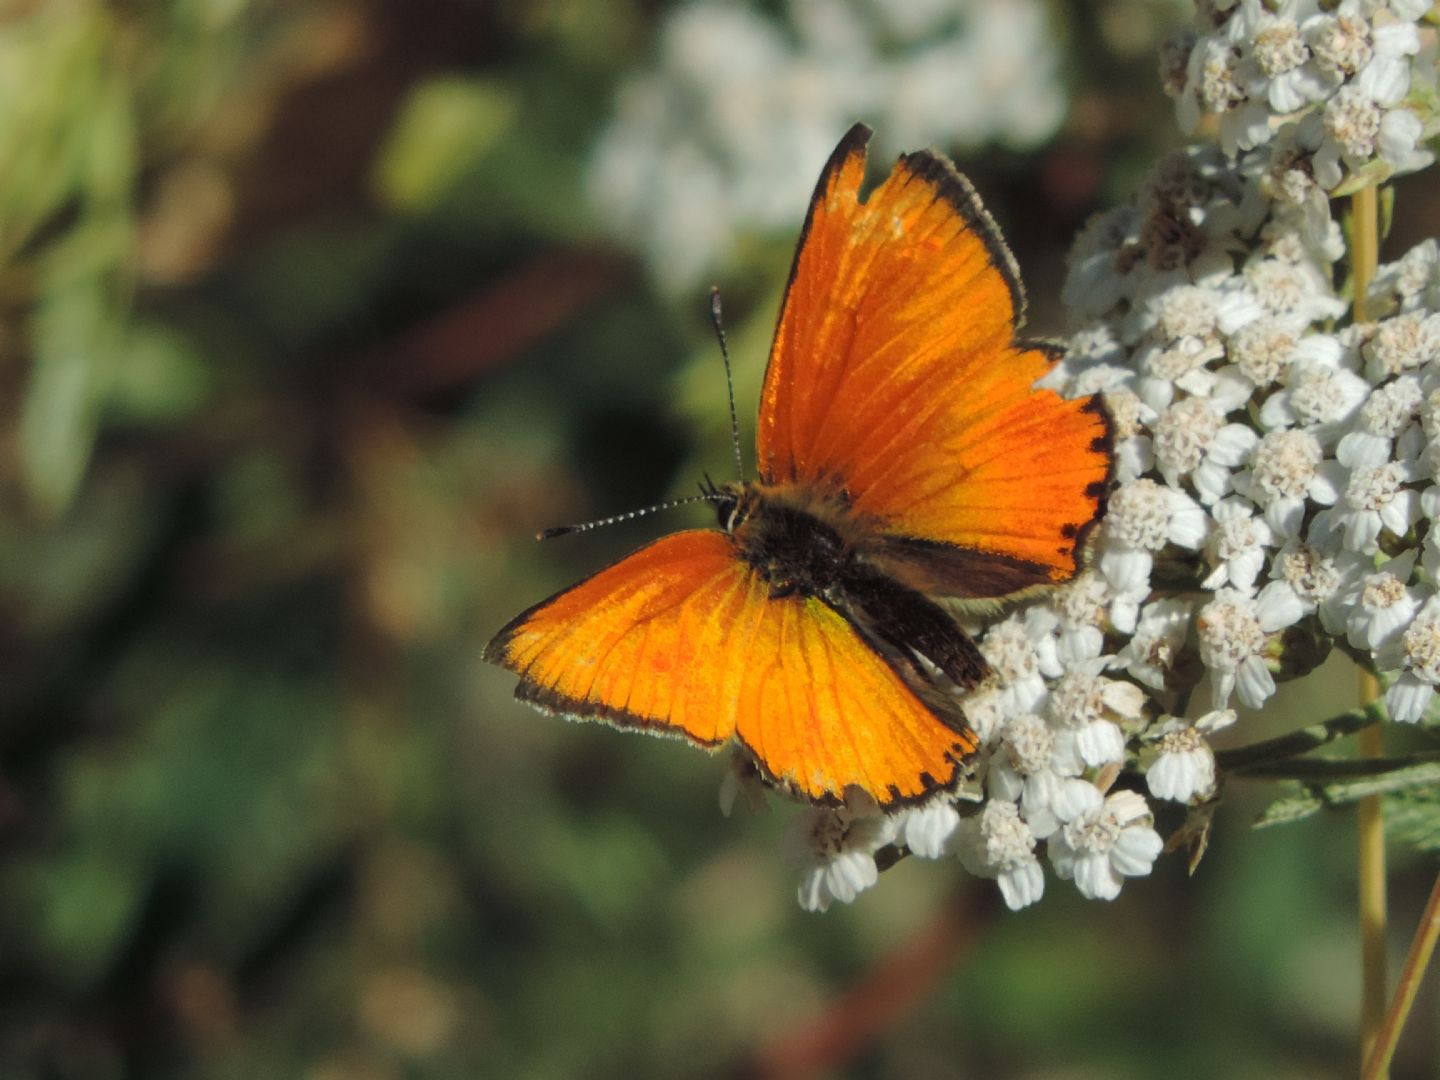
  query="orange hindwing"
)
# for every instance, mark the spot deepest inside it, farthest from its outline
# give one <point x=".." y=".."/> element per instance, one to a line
<point x="682" y="638"/>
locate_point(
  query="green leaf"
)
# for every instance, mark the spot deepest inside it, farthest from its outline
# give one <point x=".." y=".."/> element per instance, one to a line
<point x="67" y="124"/>
<point x="76" y="335"/>
<point x="1371" y="174"/>
<point x="1367" y="776"/>
<point x="109" y="165"/>
<point x="1296" y="806"/>
<point x="85" y="902"/>
<point x="1348" y="782"/>
<point x="1413" y="817"/>
<point x="157" y="377"/>
<point x="50" y="65"/>
<point x="445" y="127"/>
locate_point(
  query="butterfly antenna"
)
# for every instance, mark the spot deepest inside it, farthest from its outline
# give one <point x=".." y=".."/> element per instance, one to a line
<point x="729" y="380"/>
<point x="565" y="530"/>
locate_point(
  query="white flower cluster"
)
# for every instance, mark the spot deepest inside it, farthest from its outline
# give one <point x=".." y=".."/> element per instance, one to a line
<point x="1295" y="451"/>
<point x="724" y="134"/>
<point x="1277" y="474"/>
<point x="1333" y="84"/>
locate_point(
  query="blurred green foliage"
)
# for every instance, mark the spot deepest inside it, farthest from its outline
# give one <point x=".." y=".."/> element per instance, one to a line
<point x="305" y="329"/>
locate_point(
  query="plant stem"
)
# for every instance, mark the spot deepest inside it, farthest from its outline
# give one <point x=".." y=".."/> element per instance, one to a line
<point x="1364" y="257"/>
<point x="1421" y="948"/>
<point x="1295" y="743"/>
<point x="1371" y="863"/>
<point x="1364" y="245"/>
<point x="1328" y="770"/>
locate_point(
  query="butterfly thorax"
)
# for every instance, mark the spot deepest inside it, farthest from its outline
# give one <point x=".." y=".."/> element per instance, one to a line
<point x="794" y="539"/>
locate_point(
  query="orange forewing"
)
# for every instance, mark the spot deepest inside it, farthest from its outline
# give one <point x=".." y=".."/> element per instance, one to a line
<point x="895" y="377"/>
<point x="682" y="638"/>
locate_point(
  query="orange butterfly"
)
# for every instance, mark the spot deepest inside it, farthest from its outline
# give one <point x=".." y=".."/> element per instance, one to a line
<point x="903" y="450"/>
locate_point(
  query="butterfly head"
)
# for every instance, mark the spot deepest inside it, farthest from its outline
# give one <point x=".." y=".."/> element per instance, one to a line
<point x="733" y="503"/>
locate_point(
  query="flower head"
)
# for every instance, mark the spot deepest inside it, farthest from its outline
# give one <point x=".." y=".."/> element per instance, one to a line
<point x="1276" y="456"/>
<point x="835" y="849"/>
<point x="1416" y="654"/>
<point x="683" y="133"/>
<point x="997" y="843"/>
<point x="1110" y="839"/>
<point x="1184" y="764"/>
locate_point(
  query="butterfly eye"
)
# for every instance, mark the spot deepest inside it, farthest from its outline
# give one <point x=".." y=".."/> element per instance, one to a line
<point x="729" y="513"/>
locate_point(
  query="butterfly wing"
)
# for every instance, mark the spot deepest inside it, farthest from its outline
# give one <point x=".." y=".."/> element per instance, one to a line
<point x="895" y="379"/>
<point x="682" y="638"/>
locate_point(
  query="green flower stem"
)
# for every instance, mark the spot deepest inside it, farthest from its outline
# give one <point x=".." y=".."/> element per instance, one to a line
<point x="1284" y="747"/>
<point x="1370" y="854"/>
<point x="1324" y="770"/>
<point x="1422" y="947"/>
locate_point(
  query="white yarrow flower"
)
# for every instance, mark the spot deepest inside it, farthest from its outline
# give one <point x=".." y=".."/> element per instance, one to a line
<point x="1142" y="518"/>
<point x="927" y="829"/>
<point x="1381" y="604"/>
<point x="1402" y="343"/>
<point x="1374" y="499"/>
<point x="683" y="134"/>
<point x="1313" y="579"/>
<point x="1029" y="767"/>
<point x="835" y="849"/>
<point x="1233" y="630"/>
<point x="1021" y="659"/>
<point x="997" y="843"/>
<point x="1275" y="459"/>
<point x="1288" y="470"/>
<point x="1193" y="441"/>
<point x="1089" y="711"/>
<point x="1082" y="609"/>
<point x="1237" y="548"/>
<point x="1184" y="765"/>
<point x="1416" y="655"/>
<point x="1109" y="840"/>
<point x="1157" y="641"/>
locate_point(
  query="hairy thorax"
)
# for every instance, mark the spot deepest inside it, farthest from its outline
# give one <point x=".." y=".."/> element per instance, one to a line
<point x="800" y="543"/>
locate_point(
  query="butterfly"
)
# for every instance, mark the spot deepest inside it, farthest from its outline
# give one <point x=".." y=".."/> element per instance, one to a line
<point x="903" y="454"/>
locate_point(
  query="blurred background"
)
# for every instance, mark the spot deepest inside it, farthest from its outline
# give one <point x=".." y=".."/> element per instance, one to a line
<point x="312" y="312"/>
